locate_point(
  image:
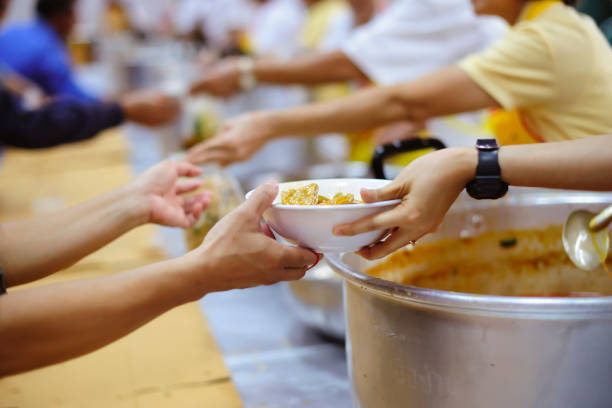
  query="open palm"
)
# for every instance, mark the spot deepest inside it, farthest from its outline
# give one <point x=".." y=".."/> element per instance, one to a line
<point x="163" y="191"/>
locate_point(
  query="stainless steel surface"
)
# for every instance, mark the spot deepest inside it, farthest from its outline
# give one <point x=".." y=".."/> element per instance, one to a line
<point x="415" y="347"/>
<point x="317" y="300"/>
<point x="586" y="248"/>
<point x="275" y="360"/>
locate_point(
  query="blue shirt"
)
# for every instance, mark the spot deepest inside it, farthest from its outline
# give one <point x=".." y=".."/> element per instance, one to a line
<point x="35" y="51"/>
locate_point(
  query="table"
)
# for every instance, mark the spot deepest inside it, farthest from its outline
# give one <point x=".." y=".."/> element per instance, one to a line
<point x="172" y="361"/>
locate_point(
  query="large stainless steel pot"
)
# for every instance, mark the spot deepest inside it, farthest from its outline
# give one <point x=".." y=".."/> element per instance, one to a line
<point x="415" y="347"/>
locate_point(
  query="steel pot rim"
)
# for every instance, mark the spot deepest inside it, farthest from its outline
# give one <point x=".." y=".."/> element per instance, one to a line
<point x="465" y="303"/>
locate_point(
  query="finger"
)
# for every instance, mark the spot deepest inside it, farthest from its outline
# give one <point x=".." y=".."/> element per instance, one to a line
<point x="385" y="220"/>
<point x="196" y="204"/>
<point x="298" y="258"/>
<point x="395" y="241"/>
<point x="185" y="169"/>
<point x="209" y="155"/>
<point x="178" y="218"/>
<point x="188" y="186"/>
<point x="197" y="87"/>
<point x="319" y="257"/>
<point x="391" y="191"/>
<point x="261" y="199"/>
<point x="195" y="212"/>
<point x="265" y="229"/>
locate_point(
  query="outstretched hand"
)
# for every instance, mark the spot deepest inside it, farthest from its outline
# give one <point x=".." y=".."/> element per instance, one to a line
<point x="149" y="107"/>
<point x="162" y="191"/>
<point x="239" y="254"/>
<point x="237" y="141"/>
<point x="222" y="80"/>
<point x="427" y="187"/>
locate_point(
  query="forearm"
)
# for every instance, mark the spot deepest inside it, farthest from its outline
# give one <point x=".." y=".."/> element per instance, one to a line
<point x="47" y="325"/>
<point x="309" y="69"/>
<point x="34" y="248"/>
<point x="60" y="121"/>
<point x="447" y="91"/>
<point x="584" y="164"/>
<point x="364" y="110"/>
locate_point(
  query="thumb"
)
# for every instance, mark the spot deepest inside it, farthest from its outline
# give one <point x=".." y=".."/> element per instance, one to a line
<point x="391" y="191"/>
<point x="261" y="199"/>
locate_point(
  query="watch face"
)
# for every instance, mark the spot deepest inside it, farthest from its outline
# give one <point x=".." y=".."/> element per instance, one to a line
<point x="487" y="144"/>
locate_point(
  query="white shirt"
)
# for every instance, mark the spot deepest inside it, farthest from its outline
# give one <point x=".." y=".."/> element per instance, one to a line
<point x="219" y="17"/>
<point x="339" y="31"/>
<point x="276" y="27"/>
<point x="412" y="38"/>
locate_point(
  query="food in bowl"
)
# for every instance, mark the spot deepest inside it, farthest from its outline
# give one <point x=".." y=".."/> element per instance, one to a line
<point x="311" y="226"/>
<point x="309" y="195"/>
<point x="529" y="262"/>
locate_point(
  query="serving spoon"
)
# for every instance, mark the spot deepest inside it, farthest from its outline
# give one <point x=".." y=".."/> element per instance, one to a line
<point x="586" y="239"/>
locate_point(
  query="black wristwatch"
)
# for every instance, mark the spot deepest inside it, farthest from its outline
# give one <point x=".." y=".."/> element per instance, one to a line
<point x="488" y="184"/>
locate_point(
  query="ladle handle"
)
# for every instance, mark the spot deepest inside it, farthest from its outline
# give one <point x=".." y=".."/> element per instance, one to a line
<point x="601" y="220"/>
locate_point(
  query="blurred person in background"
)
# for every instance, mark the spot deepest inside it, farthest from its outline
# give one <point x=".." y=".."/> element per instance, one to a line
<point x="330" y="22"/>
<point x="49" y="324"/>
<point x="225" y="78"/>
<point x="61" y="120"/>
<point x="553" y="71"/>
<point x="219" y="24"/>
<point x="37" y="50"/>
<point x="406" y="41"/>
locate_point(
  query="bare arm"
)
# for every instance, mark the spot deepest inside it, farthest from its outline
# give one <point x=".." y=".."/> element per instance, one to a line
<point x="444" y="92"/>
<point x="46" y="325"/>
<point x="430" y="185"/>
<point x="309" y="69"/>
<point x="447" y="91"/>
<point x="43" y="245"/>
<point x="584" y="164"/>
<point x="34" y="248"/>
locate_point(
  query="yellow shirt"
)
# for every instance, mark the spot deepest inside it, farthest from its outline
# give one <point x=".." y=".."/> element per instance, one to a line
<point x="555" y="69"/>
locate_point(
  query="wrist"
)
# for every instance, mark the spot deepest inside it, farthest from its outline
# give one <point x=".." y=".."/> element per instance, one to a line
<point x="135" y="206"/>
<point x="172" y="282"/>
<point x="466" y="162"/>
<point x="126" y="107"/>
<point x="245" y="67"/>
<point x="266" y="125"/>
<point x="195" y="270"/>
<point x="191" y="273"/>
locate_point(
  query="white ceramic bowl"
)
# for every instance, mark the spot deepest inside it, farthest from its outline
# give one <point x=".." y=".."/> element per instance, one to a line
<point x="311" y="226"/>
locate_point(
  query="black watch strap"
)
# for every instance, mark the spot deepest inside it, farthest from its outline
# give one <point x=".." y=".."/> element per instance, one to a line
<point x="2" y="283"/>
<point x="488" y="163"/>
<point x="488" y="183"/>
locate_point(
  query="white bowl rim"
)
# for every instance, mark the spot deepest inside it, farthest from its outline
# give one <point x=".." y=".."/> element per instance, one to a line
<point x="318" y="207"/>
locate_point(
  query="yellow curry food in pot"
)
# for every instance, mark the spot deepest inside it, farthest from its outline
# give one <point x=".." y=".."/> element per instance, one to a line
<point x="509" y="263"/>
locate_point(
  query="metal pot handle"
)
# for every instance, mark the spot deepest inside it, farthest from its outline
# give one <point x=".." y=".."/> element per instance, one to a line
<point x="387" y="151"/>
